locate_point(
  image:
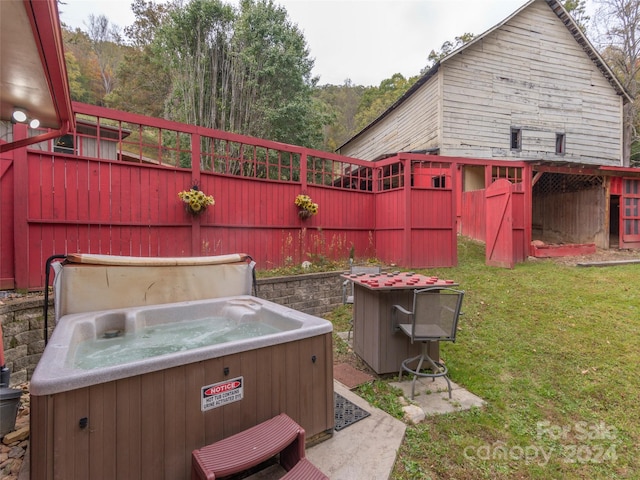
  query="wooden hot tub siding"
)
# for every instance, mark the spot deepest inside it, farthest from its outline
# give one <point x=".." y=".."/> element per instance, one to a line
<point x="146" y="426"/>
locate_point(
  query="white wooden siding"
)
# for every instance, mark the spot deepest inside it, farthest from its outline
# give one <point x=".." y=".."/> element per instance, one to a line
<point x="529" y="73"/>
<point x="412" y="126"/>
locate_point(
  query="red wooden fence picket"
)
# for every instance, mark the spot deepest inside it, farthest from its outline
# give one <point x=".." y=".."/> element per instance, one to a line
<point x="112" y="188"/>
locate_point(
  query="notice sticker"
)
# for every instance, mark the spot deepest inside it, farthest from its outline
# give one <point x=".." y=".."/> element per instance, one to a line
<point x="219" y="394"/>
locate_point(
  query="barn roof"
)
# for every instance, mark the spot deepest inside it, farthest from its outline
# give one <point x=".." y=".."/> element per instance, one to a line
<point x="566" y="19"/>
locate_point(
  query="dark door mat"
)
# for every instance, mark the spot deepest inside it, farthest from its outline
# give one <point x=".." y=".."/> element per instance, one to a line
<point x="346" y="412"/>
<point x="349" y="376"/>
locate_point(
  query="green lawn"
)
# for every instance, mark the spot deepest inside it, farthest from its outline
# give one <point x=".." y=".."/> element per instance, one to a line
<point x="554" y="351"/>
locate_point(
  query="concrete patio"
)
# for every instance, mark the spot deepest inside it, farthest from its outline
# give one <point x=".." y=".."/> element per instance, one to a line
<point x="367" y="449"/>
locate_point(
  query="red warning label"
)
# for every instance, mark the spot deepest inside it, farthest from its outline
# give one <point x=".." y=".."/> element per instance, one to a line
<point x="219" y="394"/>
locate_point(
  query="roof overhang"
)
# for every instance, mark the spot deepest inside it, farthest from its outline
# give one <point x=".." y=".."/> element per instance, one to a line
<point x="33" y="74"/>
<point x="574" y="168"/>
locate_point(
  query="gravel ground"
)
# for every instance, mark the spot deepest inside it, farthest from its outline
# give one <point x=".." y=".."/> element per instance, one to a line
<point x="601" y="255"/>
<point x="14" y="444"/>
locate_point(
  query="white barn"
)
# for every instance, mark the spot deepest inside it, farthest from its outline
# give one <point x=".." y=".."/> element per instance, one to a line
<point x="530" y="88"/>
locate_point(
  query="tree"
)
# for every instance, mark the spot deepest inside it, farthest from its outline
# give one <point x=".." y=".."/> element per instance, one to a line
<point x="342" y="102"/>
<point x="618" y="33"/>
<point x="76" y="84"/>
<point x="578" y="11"/>
<point x="105" y="42"/>
<point x="194" y="44"/>
<point x="375" y="100"/>
<point x="149" y="16"/>
<point x="278" y="76"/>
<point x="87" y="84"/>
<point x="245" y="71"/>
<point x="143" y="79"/>
<point x="446" y="48"/>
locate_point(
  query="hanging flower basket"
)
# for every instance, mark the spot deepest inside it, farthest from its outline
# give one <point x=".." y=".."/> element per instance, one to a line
<point x="196" y="201"/>
<point x="306" y="206"/>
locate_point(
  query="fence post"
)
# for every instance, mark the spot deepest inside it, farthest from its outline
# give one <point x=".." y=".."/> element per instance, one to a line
<point x="303" y="170"/>
<point x="21" y="268"/>
<point x="407" y="256"/>
<point x="196" y="238"/>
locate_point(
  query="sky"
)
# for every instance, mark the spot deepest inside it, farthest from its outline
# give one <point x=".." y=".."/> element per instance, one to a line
<point x="365" y="41"/>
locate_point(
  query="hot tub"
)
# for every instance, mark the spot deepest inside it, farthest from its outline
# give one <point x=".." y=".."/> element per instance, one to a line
<point x="131" y="392"/>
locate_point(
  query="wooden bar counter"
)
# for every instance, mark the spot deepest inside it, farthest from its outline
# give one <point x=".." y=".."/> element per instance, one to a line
<point x="374" y="339"/>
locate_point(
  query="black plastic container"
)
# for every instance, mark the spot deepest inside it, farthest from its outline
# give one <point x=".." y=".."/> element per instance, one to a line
<point x="9" y="403"/>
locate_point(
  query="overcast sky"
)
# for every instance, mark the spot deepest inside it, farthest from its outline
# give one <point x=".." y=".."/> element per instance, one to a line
<point x="362" y="40"/>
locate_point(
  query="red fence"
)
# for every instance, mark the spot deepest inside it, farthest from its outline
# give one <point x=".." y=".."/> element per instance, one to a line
<point x="111" y="188"/>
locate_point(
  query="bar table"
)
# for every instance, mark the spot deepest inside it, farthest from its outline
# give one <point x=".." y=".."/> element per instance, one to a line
<point x="374" y="338"/>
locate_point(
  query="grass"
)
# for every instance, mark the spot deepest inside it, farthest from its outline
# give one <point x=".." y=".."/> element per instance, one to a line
<point x="554" y="351"/>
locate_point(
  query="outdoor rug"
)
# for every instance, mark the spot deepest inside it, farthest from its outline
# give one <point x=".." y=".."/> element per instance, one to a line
<point x="349" y="376"/>
<point x="346" y="412"/>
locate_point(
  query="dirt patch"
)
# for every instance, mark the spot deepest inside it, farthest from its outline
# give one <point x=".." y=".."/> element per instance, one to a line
<point x="601" y="255"/>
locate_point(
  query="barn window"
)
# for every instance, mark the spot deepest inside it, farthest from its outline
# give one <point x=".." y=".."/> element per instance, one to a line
<point x="560" y="143"/>
<point x="516" y="138"/>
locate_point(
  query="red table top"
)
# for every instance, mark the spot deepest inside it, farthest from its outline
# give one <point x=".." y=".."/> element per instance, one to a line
<point x="396" y="280"/>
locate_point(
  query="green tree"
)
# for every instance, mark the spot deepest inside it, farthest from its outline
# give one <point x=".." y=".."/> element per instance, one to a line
<point x="193" y="43"/>
<point x="87" y="85"/>
<point x="148" y="18"/>
<point x="342" y="102"/>
<point x="76" y="84"/>
<point x="143" y="79"/>
<point x="278" y="76"/>
<point x="446" y="48"/>
<point x="375" y="100"/>
<point x="246" y="70"/>
<point x="578" y="10"/>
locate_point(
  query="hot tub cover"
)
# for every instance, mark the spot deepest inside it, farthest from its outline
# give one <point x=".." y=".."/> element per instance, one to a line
<point x="87" y="283"/>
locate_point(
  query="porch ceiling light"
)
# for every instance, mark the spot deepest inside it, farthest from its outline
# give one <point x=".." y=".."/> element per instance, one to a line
<point x="19" y="115"/>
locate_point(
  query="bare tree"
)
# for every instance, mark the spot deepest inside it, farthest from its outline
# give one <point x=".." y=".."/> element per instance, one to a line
<point x="617" y="29"/>
<point x="105" y="41"/>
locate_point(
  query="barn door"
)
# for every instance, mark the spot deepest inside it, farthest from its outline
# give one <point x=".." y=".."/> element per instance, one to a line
<point x="630" y="214"/>
<point x="499" y="224"/>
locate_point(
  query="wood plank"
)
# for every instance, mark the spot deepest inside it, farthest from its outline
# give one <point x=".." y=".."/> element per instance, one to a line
<point x="264" y="368"/>
<point x="128" y="428"/>
<point x="292" y="405"/>
<point x="102" y="401"/>
<point x="195" y="433"/>
<point x="152" y="426"/>
<point x="177" y="460"/>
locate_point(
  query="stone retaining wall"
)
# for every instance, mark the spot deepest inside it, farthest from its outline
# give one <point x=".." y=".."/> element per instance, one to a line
<point x="23" y="320"/>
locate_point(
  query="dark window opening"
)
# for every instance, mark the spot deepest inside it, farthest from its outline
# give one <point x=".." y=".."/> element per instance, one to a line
<point x="64" y="144"/>
<point x="439" y="182"/>
<point x="516" y="139"/>
<point x="560" y="143"/>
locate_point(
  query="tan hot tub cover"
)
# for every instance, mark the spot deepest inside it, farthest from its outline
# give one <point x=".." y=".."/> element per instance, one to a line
<point x="86" y="282"/>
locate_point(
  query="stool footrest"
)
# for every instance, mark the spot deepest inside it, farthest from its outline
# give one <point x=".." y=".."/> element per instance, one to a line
<point x="304" y="470"/>
<point x="246" y="449"/>
<point x="437" y="370"/>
